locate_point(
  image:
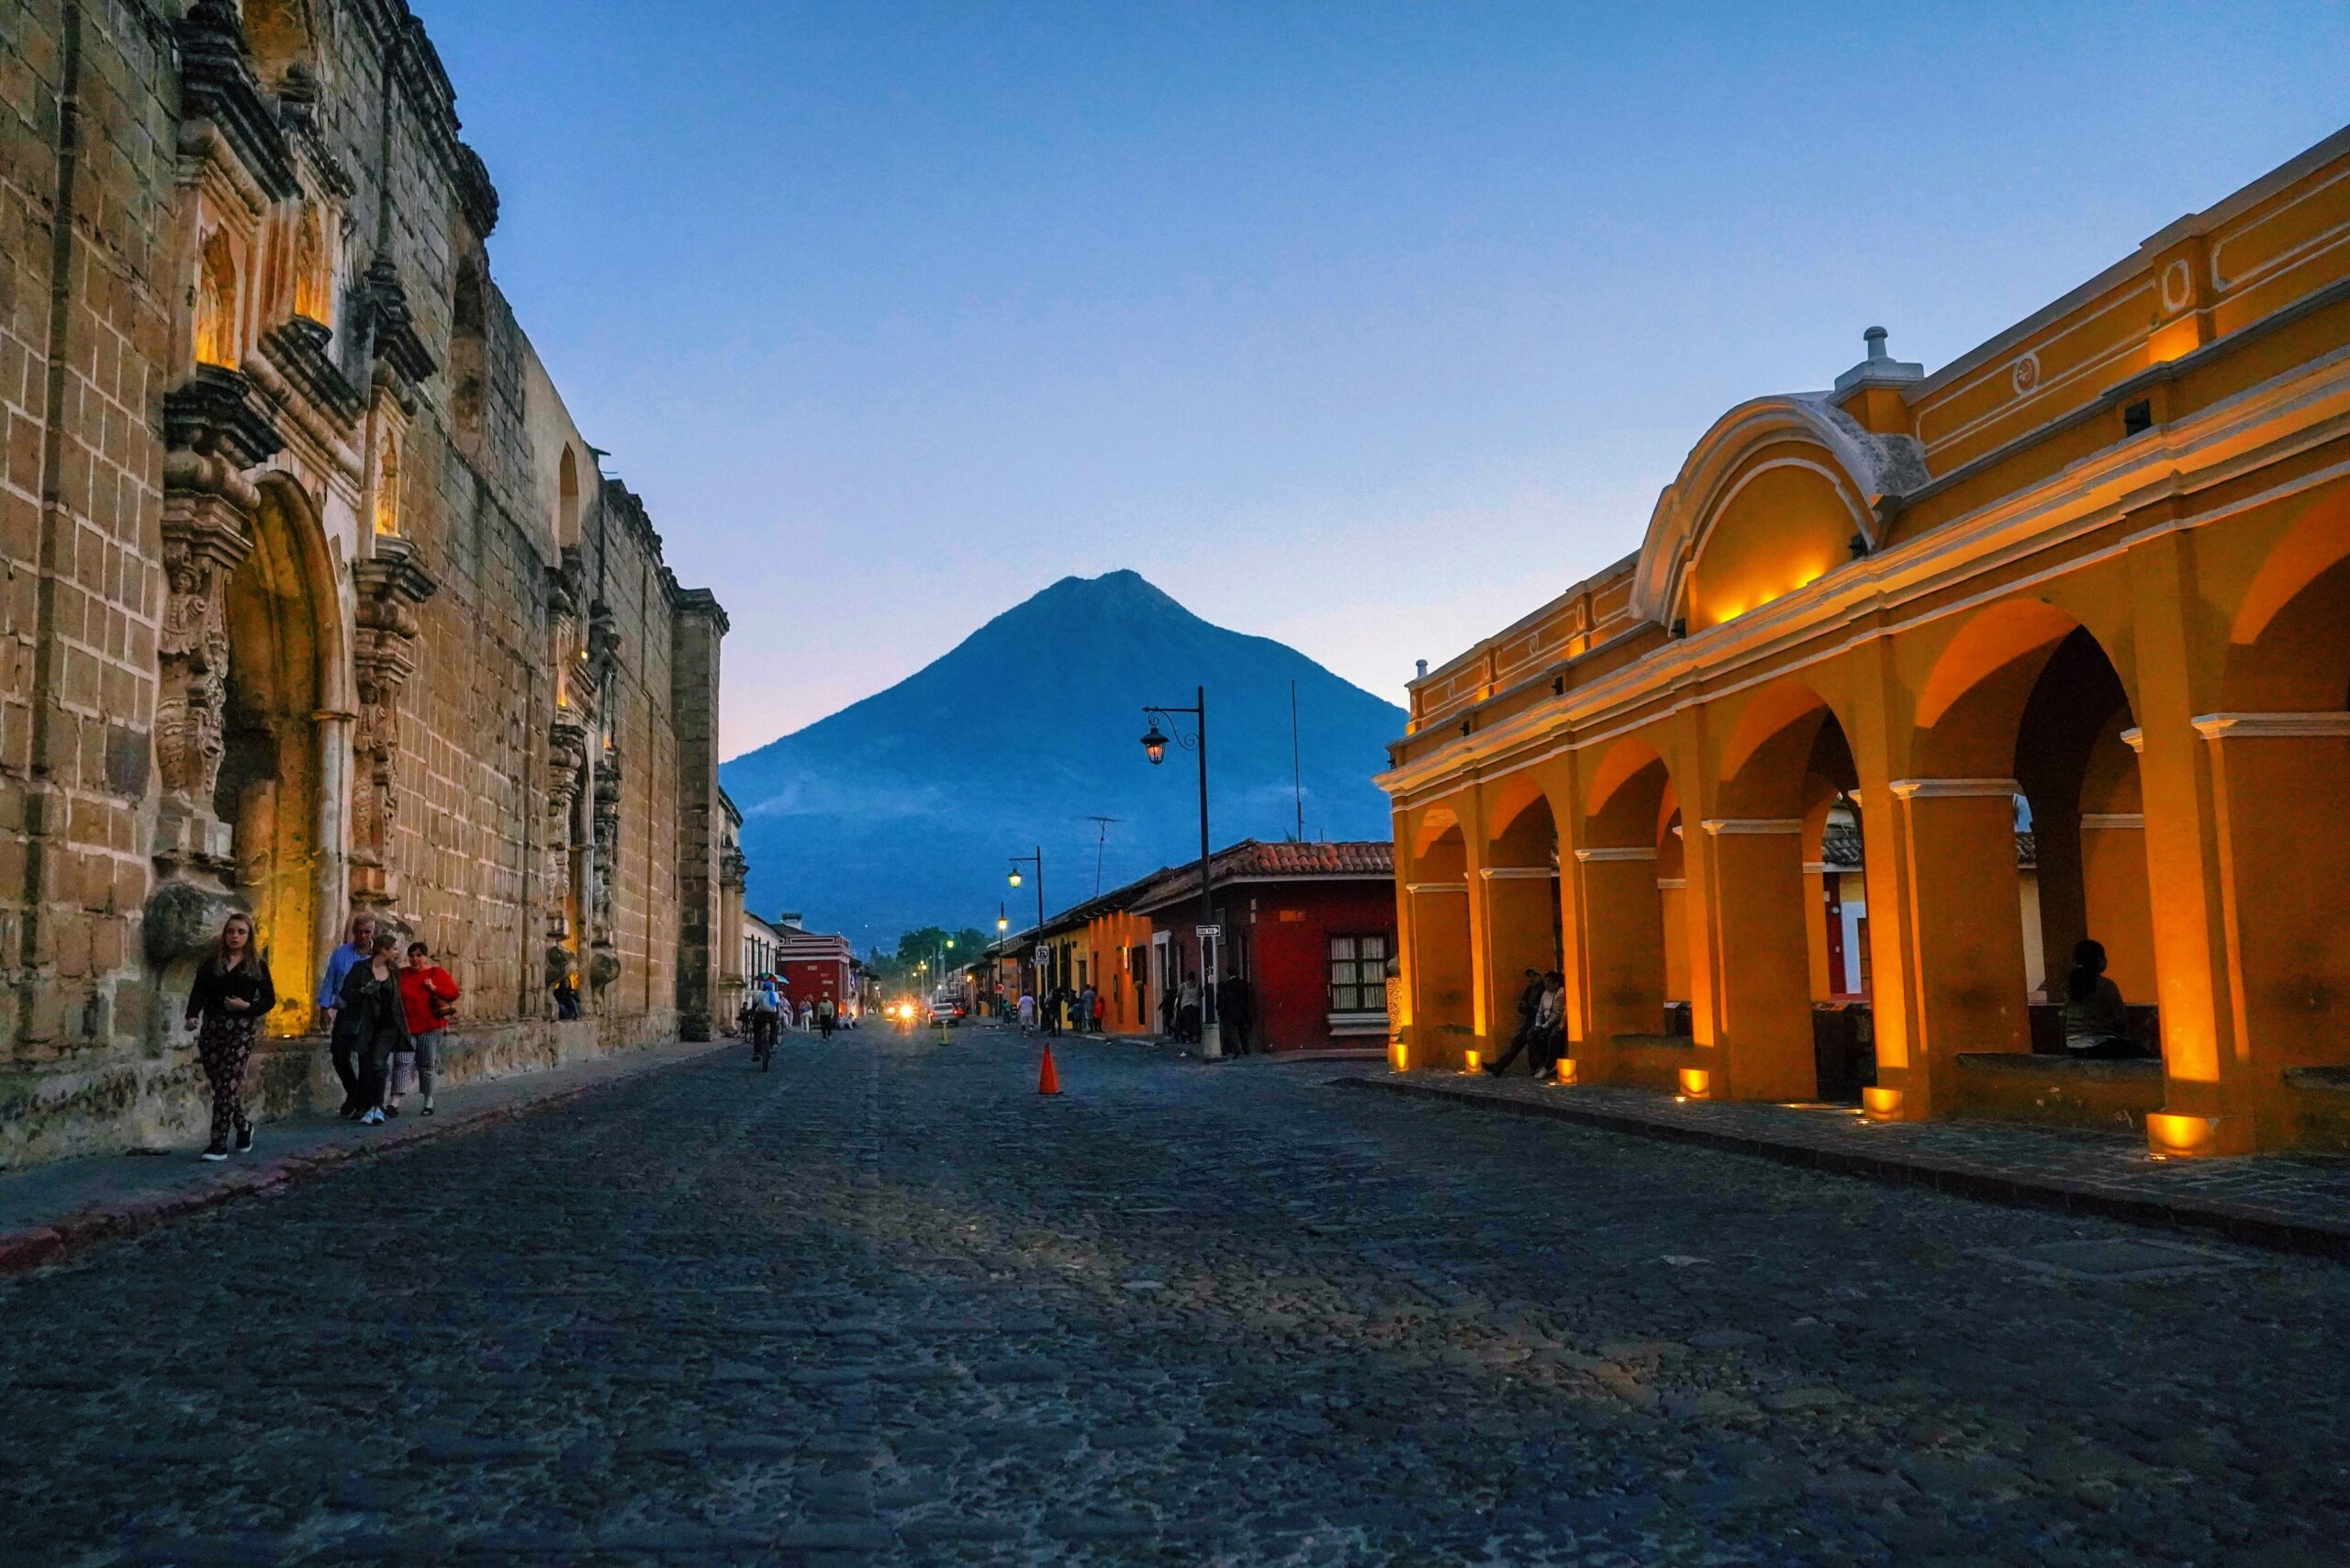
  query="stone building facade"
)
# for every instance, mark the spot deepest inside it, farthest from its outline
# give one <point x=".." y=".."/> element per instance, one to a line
<point x="315" y="598"/>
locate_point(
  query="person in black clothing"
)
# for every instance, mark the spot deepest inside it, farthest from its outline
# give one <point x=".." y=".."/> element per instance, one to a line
<point x="231" y="995"/>
<point x="1235" y="1005"/>
<point x="1529" y="998"/>
<point x="370" y="1023"/>
<point x="1537" y="1017"/>
<point x="1054" y="999"/>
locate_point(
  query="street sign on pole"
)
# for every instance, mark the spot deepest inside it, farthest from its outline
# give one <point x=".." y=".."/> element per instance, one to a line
<point x="1211" y="930"/>
<point x="1044" y="954"/>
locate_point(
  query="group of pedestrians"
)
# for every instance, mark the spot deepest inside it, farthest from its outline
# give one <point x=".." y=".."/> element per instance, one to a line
<point x="1182" y="1017"/>
<point x="384" y="1020"/>
<point x="768" y="1012"/>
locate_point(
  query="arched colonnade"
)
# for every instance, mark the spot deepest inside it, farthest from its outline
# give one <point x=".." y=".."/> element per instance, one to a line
<point x="1860" y="870"/>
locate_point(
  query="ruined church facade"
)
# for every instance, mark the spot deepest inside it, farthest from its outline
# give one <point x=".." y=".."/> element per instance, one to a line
<point x="313" y="598"/>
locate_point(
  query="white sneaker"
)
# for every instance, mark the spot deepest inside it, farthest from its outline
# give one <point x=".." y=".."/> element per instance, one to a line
<point x="373" y="1118"/>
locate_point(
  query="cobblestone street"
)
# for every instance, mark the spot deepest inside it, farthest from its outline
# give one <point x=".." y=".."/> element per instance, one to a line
<point x="886" y="1305"/>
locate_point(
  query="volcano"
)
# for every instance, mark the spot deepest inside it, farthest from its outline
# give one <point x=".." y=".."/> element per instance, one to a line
<point x="903" y="810"/>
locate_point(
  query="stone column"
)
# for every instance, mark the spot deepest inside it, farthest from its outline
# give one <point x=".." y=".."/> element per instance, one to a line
<point x="2286" y="944"/>
<point x="1622" y="952"/>
<point x="1960" y="929"/>
<point x="206" y="538"/>
<point x="696" y="634"/>
<point x="1755" y="911"/>
<point x="391" y="587"/>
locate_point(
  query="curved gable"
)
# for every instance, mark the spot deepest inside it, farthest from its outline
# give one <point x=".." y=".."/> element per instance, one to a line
<point x="1770" y="499"/>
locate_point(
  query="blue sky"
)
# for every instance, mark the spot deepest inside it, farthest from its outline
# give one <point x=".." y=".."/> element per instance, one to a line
<point x="1365" y="327"/>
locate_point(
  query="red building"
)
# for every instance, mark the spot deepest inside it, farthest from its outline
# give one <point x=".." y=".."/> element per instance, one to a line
<point x="1310" y="927"/>
<point x="815" y="967"/>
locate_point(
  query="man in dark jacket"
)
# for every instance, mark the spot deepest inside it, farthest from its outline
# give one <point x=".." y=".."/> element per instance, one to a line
<point x="1236" y="1007"/>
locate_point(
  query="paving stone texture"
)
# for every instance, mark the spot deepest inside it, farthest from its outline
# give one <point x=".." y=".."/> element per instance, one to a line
<point x="885" y="1305"/>
<point x="2296" y="1200"/>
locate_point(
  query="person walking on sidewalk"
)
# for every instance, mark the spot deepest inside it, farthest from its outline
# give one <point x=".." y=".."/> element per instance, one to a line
<point x="1187" y="1011"/>
<point x="371" y="1024"/>
<point x="826" y="1014"/>
<point x="429" y="1000"/>
<point x="340" y="963"/>
<point x="231" y="995"/>
<point x="1027" y="1012"/>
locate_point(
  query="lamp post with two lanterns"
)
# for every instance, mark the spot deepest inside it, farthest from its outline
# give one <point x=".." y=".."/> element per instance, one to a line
<point x="1153" y="745"/>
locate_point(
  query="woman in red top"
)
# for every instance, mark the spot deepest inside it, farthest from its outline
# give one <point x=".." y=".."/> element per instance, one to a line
<point x="428" y="997"/>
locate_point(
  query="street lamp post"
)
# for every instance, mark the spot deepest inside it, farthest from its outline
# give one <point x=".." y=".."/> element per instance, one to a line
<point x="1036" y="860"/>
<point x="1153" y="745"/>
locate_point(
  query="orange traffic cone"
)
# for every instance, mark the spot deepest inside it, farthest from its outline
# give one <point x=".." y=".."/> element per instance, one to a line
<point x="1047" y="1080"/>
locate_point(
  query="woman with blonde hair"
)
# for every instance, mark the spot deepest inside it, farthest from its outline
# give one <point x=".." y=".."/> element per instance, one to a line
<point x="231" y="995"/>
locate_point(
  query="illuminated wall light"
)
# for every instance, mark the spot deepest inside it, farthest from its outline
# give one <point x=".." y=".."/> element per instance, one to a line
<point x="1472" y="1059"/>
<point x="1885" y="1103"/>
<point x="1399" y="1058"/>
<point x="1694" y="1083"/>
<point x="1563" y="1073"/>
<point x="2167" y="1133"/>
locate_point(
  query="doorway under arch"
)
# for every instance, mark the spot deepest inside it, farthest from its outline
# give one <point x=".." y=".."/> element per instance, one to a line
<point x="284" y="639"/>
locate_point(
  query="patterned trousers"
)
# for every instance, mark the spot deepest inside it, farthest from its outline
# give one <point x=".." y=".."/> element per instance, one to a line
<point x="223" y="1045"/>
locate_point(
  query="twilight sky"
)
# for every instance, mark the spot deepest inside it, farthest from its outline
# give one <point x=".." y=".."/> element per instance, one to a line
<point x="1366" y="326"/>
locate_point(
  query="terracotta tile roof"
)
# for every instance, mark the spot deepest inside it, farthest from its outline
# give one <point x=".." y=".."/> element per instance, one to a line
<point x="1249" y="861"/>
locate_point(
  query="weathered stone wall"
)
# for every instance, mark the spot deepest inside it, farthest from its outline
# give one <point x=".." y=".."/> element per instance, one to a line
<point x="313" y="595"/>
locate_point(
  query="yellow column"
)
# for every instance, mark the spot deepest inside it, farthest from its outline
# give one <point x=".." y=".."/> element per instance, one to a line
<point x="1623" y="954"/>
<point x="1755" y="911"/>
<point x="2207" y="1096"/>
<point x="2281" y="884"/>
<point x="1959" y="926"/>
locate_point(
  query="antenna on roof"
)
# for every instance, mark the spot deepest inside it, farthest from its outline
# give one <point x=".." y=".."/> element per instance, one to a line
<point x="1103" y="824"/>
<point x="1296" y="768"/>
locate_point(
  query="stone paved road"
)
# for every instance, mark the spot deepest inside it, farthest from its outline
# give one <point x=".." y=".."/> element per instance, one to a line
<point x="884" y="1305"/>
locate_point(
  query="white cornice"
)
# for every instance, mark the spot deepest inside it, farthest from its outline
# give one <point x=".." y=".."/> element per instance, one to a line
<point x="1954" y="788"/>
<point x="1516" y="873"/>
<point x="1718" y="826"/>
<point x="1436" y="887"/>
<point x="2281" y="726"/>
<point x="1633" y="851"/>
<point x="2091" y="821"/>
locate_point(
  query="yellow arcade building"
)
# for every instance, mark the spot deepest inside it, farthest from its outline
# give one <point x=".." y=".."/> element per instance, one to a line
<point x="1917" y="682"/>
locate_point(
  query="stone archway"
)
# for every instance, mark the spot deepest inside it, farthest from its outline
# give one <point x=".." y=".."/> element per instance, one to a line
<point x="282" y="623"/>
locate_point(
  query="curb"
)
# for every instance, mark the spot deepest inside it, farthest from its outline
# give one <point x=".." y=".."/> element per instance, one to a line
<point x="2242" y="1222"/>
<point x="37" y="1246"/>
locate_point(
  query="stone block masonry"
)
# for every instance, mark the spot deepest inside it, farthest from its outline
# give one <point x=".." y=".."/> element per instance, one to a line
<point x="313" y="598"/>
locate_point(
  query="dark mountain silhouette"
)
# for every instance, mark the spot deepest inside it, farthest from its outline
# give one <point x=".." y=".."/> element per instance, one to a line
<point x="903" y="810"/>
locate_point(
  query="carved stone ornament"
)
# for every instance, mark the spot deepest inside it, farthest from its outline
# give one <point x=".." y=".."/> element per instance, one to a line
<point x="217" y="83"/>
<point x="384" y="651"/>
<point x="398" y="345"/>
<point x="607" y="841"/>
<point x="567" y="757"/>
<point x="215" y="429"/>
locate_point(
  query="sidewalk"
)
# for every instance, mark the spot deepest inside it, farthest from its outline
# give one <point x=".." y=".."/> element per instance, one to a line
<point x="2291" y="1202"/>
<point x="48" y="1211"/>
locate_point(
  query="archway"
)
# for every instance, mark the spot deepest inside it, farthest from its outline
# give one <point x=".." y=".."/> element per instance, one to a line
<point x="1786" y="1012"/>
<point x="282" y="636"/>
<point x="2027" y="817"/>
<point x="1524" y="928"/>
<point x="1442" y="968"/>
<point x="1634" y="971"/>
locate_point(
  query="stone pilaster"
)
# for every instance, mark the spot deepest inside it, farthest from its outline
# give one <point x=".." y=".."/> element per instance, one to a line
<point x="699" y="628"/>
<point x="383" y="652"/>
